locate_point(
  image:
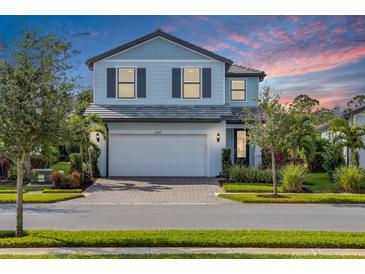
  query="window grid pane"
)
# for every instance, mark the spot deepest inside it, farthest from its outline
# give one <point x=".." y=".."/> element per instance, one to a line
<point x="126" y="75"/>
<point x="192" y="91"/>
<point x="238" y="95"/>
<point x="125" y="90"/>
<point x="238" y="84"/>
<point x="191" y="75"/>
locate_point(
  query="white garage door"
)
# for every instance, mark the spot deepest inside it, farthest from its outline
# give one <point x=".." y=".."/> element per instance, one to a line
<point x="157" y="155"/>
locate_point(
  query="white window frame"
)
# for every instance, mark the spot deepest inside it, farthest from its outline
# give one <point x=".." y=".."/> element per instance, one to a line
<point x="183" y="83"/>
<point x="117" y="83"/>
<point x="230" y="90"/>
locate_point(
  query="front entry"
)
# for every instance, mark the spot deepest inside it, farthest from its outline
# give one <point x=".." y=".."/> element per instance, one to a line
<point x="241" y="148"/>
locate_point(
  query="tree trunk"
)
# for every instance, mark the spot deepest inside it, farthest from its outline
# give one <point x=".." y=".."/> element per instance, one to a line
<point x="273" y="167"/>
<point x="27" y="168"/>
<point x="354" y="158"/>
<point x="82" y="166"/>
<point x="19" y="198"/>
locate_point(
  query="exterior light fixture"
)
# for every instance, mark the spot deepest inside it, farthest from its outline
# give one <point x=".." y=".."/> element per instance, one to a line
<point x="218" y="137"/>
<point x="97" y="137"/>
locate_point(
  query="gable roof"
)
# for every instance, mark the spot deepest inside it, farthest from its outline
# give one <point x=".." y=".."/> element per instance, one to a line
<point x="157" y="33"/>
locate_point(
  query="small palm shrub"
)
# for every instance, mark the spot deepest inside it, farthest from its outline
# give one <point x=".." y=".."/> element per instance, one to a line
<point x="293" y="177"/>
<point x="58" y="179"/>
<point x="74" y="179"/>
<point x="226" y="162"/>
<point x="242" y="174"/>
<point x="351" y="178"/>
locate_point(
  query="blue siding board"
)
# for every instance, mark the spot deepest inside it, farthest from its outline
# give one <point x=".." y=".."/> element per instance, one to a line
<point x="159" y="49"/>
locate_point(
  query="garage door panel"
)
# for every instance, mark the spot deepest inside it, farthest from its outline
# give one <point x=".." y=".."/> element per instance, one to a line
<point x="157" y="155"/>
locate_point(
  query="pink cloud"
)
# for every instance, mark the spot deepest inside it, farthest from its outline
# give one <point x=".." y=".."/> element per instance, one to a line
<point x="239" y="38"/>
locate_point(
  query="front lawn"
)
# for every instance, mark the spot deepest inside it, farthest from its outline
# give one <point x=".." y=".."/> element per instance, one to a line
<point x="39" y="197"/>
<point x="177" y="256"/>
<point x="184" y="238"/>
<point x="297" y="198"/>
<point x="240" y="187"/>
<point x="11" y="188"/>
<point x="62" y="166"/>
<point x="60" y="190"/>
<point x="319" y="182"/>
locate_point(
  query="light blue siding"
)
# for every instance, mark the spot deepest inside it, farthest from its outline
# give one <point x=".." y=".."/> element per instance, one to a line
<point x="159" y="49"/>
<point x="159" y="82"/>
<point x="252" y="91"/>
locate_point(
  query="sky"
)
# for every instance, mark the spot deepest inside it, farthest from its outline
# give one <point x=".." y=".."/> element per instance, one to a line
<point x="321" y="56"/>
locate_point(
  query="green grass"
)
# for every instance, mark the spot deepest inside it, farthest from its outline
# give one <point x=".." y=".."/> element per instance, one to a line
<point x="11" y="188"/>
<point x="62" y="166"/>
<point x="314" y="182"/>
<point x="39" y="197"/>
<point x="56" y="190"/>
<point x="241" y="187"/>
<point x="297" y="198"/>
<point x="184" y="238"/>
<point x="177" y="256"/>
<point x="319" y="182"/>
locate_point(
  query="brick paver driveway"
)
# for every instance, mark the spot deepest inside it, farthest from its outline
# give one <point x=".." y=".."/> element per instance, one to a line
<point x="152" y="190"/>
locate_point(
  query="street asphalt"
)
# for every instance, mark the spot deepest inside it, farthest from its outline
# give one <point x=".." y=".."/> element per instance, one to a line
<point x="230" y="216"/>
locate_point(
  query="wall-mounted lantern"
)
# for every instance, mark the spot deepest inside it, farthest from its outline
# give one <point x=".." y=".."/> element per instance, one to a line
<point x="218" y="137"/>
<point x="97" y="137"/>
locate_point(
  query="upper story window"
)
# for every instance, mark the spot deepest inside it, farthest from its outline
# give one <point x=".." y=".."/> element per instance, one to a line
<point x="191" y="84"/>
<point x="126" y="83"/>
<point x="238" y="90"/>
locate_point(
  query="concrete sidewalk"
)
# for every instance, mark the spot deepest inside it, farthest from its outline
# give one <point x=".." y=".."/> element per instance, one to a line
<point x="181" y="250"/>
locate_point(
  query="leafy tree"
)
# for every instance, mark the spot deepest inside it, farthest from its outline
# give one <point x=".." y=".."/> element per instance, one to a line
<point x="302" y="133"/>
<point x="34" y="99"/>
<point x="304" y="104"/>
<point x="269" y="130"/>
<point x="348" y="135"/>
<point x="80" y="128"/>
<point x="82" y="100"/>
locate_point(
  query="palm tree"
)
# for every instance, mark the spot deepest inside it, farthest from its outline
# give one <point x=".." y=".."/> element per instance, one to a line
<point x="80" y="128"/>
<point x="349" y="135"/>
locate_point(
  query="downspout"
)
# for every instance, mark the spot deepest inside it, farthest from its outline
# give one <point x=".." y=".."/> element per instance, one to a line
<point x="107" y="151"/>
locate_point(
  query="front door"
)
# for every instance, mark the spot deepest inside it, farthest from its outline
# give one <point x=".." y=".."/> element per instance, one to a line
<point x="241" y="148"/>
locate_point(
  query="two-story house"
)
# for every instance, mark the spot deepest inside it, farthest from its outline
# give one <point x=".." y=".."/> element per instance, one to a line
<point x="170" y="107"/>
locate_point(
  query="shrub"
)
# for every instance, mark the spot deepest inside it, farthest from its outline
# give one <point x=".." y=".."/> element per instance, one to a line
<point x="350" y="179"/>
<point x="226" y="162"/>
<point x="5" y="165"/>
<point x="293" y="177"/>
<point x="74" y="179"/>
<point x="94" y="153"/>
<point x="244" y="174"/>
<point x="332" y="158"/>
<point x="75" y="162"/>
<point x="58" y="179"/>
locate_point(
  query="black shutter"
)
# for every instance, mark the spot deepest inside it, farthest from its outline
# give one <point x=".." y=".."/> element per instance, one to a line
<point x="110" y="83"/>
<point x="207" y="83"/>
<point x="176" y="83"/>
<point x="141" y="82"/>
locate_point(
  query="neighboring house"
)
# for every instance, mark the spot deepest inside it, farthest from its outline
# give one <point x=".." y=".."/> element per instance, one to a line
<point x="170" y="107"/>
<point x="356" y="116"/>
